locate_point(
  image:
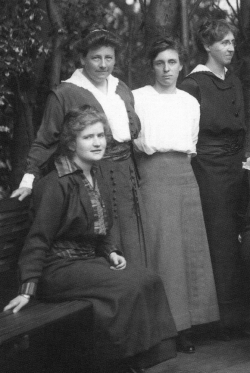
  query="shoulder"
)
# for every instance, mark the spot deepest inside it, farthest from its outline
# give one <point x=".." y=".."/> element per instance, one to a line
<point x="187" y="97"/>
<point x="124" y="92"/>
<point x="142" y="93"/>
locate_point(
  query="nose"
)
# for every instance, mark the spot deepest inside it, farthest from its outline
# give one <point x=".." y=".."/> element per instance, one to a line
<point x="231" y="47"/>
<point x="166" y="67"/>
<point x="103" y="63"/>
<point x="96" y="141"/>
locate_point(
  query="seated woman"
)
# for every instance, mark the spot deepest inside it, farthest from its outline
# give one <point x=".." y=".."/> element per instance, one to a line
<point x="68" y="253"/>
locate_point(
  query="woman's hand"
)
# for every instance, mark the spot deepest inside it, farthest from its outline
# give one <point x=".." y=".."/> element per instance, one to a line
<point x="17" y="303"/>
<point x="21" y="193"/>
<point x="117" y="261"/>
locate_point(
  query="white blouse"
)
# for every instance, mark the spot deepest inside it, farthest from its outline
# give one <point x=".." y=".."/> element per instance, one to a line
<point x="112" y="104"/>
<point x="170" y="122"/>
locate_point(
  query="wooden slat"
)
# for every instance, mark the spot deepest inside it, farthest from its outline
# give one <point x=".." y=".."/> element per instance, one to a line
<point x="37" y="316"/>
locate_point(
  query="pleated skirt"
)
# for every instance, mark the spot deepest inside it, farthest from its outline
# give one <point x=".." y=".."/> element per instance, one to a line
<point x="178" y="247"/>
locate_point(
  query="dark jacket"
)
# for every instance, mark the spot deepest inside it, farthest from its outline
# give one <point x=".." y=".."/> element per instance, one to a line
<point x="62" y="211"/>
<point x="221" y="105"/>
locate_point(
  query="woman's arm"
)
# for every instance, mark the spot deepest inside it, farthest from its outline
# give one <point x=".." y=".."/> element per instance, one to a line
<point x="44" y="146"/>
<point x="48" y="205"/>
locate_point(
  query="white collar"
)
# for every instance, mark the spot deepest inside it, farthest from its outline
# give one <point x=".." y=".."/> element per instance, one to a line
<point x="80" y="80"/>
<point x="200" y="68"/>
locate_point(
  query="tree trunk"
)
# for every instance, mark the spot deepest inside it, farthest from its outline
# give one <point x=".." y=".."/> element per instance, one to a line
<point x="162" y="19"/>
<point x="58" y="40"/>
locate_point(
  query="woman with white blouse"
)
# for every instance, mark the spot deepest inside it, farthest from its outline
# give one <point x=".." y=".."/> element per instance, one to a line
<point x="178" y="242"/>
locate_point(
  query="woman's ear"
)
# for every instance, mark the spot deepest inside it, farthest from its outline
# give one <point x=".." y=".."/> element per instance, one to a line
<point x="82" y="60"/>
<point x="72" y="146"/>
<point x="207" y="48"/>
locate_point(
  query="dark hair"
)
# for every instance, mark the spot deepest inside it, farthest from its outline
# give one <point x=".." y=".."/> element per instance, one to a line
<point x="161" y="45"/>
<point x="99" y="38"/>
<point x="213" y="30"/>
<point x="77" y="120"/>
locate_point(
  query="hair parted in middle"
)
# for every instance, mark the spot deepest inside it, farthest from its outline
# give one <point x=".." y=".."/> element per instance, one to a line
<point x="75" y="121"/>
<point x="99" y="38"/>
<point x="162" y="44"/>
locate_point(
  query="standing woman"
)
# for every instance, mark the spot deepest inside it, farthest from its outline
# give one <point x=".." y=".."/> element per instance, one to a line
<point x="178" y="242"/>
<point x="218" y="164"/>
<point x="94" y="85"/>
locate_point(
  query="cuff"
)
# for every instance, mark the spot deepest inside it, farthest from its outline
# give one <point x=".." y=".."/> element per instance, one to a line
<point x="28" y="288"/>
<point x="27" y="181"/>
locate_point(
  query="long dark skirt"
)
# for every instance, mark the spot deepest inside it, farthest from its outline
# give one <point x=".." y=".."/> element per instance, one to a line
<point x="130" y="309"/>
<point x="220" y="179"/>
<point x="129" y="222"/>
<point x="178" y="241"/>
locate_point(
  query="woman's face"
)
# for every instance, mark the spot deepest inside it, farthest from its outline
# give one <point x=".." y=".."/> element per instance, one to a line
<point x="166" y="68"/>
<point x="90" y="145"/>
<point x="99" y="64"/>
<point x="222" y="51"/>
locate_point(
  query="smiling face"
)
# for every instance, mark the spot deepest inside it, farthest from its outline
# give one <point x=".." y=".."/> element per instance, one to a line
<point x="99" y="64"/>
<point x="221" y="52"/>
<point x="90" y="145"/>
<point x="166" y="67"/>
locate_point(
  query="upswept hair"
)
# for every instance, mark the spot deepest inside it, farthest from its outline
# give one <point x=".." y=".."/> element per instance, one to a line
<point x="213" y="30"/>
<point x="77" y="120"/>
<point x="160" y="45"/>
<point x="99" y="38"/>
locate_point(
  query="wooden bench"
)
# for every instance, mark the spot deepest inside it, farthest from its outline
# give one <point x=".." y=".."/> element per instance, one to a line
<point x="36" y="317"/>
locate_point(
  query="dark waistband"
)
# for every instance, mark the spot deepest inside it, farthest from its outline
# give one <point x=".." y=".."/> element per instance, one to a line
<point x="222" y="144"/>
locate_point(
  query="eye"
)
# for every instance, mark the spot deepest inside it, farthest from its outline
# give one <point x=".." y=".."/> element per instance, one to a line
<point x="158" y="63"/>
<point x="87" y="137"/>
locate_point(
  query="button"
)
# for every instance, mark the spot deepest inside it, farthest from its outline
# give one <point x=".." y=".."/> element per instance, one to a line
<point x="114" y="198"/>
<point x="114" y="190"/>
<point x="233" y="101"/>
<point x="236" y="115"/>
<point x="116" y="216"/>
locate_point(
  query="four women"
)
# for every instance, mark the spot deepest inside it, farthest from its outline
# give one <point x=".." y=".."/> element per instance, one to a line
<point x="179" y="249"/>
<point x="169" y="210"/>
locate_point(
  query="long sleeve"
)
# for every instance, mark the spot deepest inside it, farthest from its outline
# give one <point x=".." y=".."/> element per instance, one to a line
<point x="46" y="142"/>
<point x="49" y="203"/>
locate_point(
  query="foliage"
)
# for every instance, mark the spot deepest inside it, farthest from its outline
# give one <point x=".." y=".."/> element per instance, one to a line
<point x="20" y="47"/>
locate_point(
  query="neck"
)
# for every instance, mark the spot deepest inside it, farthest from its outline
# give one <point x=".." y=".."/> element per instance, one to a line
<point x="164" y="90"/>
<point x="86" y="167"/>
<point x="216" y="68"/>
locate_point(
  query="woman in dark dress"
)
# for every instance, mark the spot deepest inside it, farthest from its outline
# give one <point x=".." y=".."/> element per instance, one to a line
<point x="69" y="253"/>
<point x="218" y="164"/>
<point x="95" y="85"/>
